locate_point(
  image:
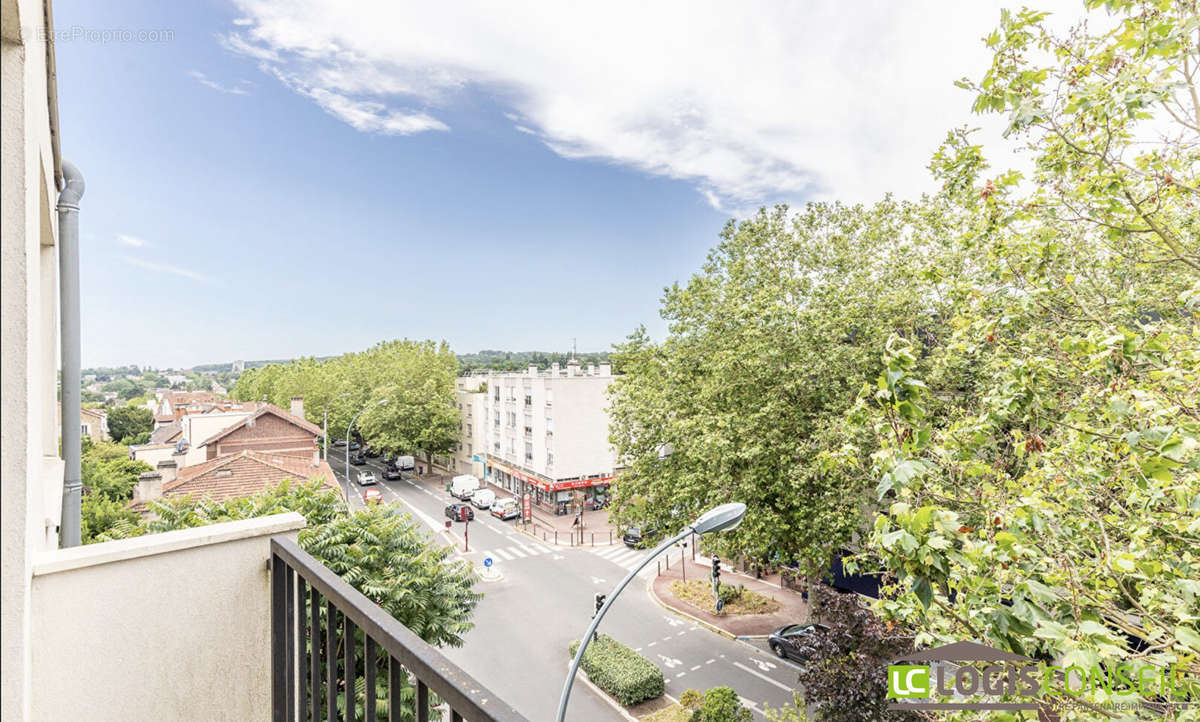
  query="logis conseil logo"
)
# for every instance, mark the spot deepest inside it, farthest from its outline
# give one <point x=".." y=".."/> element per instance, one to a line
<point x="966" y="670"/>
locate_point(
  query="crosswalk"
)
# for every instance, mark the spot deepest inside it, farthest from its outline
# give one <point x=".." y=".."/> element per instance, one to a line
<point x="516" y="551"/>
<point x="625" y="557"/>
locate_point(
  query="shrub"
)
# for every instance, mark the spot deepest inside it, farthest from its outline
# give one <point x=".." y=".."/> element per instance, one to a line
<point x="721" y="704"/>
<point x="691" y="698"/>
<point x="621" y="672"/>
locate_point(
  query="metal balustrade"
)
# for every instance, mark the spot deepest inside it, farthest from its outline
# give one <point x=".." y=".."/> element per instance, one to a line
<point x="318" y="663"/>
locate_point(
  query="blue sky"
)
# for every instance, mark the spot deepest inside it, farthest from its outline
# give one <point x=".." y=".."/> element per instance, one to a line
<point x="270" y="182"/>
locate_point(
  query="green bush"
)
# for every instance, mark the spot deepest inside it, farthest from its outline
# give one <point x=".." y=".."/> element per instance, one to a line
<point x="691" y="698"/>
<point x="721" y="704"/>
<point x="621" y="672"/>
<point x="729" y="593"/>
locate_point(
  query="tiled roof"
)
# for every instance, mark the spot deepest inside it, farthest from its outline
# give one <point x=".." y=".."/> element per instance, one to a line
<point x="265" y="408"/>
<point x="244" y="474"/>
<point x="168" y="433"/>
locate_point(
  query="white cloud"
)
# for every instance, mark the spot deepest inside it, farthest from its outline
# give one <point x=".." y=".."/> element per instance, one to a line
<point x="131" y="241"/>
<point x="238" y="89"/>
<point x="749" y="102"/>
<point x="167" y="268"/>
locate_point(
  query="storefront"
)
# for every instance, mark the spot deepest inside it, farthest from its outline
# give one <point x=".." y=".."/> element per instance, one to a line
<point x="560" y="496"/>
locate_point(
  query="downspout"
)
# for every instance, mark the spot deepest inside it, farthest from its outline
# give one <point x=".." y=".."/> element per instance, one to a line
<point x="68" y="301"/>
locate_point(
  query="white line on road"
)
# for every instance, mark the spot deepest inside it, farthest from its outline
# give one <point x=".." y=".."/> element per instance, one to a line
<point x="693" y="669"/>
<point x="514" y="552"/>
<point x="775" y="682"/>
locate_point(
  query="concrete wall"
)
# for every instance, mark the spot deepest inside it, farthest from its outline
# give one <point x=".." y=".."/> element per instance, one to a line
<point x="30" y="470"/>
<point x="173" y="626"/>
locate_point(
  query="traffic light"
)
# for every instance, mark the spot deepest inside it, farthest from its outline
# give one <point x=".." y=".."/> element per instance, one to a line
<point x="716" y="570"/>
<point x="599" y="603"/>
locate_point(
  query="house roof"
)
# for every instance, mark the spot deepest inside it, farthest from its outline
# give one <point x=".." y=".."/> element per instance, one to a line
<point x="94" y="413"/>
<point x="265" y="408"/>
<point x="168" y="433"/>
<point x="244" y="474"/>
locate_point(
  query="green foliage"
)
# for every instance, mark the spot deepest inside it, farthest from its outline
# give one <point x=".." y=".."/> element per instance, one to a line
<point x="520" y="360"/>
<point x="127" y="423"/>
<point x="379" y="550"/>
<point x="621" y="672"/>
<point x="415" y="377"/>
<point x="721" y="704"/>
<point x="109" y="478"/>
<point x="691" y="699"/>
<point x="797" y="711"/>
<point x="768" y="346"/>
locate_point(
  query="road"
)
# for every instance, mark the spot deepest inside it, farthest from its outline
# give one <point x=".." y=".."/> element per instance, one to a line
<point x="518" y="647"/>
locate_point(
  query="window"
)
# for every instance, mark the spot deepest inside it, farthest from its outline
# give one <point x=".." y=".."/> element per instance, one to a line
<point x="549" y="460"/>
<point x="468" y="429"/>
<point x="549" y="426"/>
<point x="549" y="397"/>
<point x="497" y="419"/>
<point x="497" y="395"/>
<point x="529" y="399"/>
<point x="528" y="451"/>
<point x="468" y="449"/>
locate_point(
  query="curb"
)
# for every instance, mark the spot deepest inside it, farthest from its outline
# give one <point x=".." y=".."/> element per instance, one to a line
<point x="710" y="627"/>
<point x="571" y="547"/>
<point x="603" y="695"/>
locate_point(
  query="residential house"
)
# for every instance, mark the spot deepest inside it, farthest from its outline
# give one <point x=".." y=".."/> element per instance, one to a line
<point x="244" y="473"/>
<point x="93" y="423"/>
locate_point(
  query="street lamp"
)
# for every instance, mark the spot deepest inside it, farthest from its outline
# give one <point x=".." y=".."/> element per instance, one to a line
<point x="721" y="518"/>
<point x="351" y="426"/>
<point x="325" y="423"/>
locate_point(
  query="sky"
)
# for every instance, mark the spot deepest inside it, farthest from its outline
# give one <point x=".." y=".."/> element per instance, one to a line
<point x="273" y="179"/>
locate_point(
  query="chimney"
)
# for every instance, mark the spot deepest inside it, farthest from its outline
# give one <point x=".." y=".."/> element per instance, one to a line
<point x="573" y="367"/>
<point x="149" y="486"/>
<point x="168" y="470"/>
<point x="298" y="406"/>
<point x="554" y="369"/>
<point x="532" y="370"/>
<point x="605" y="369"/>
<point x="316" y="453"/>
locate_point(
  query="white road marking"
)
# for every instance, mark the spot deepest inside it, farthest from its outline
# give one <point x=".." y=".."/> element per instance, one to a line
<point x="501" y="553"/>
<point x="693" y="669"/>
<point x="710" y="661"/>
<point x="597" y="580"/>
<point x="680" y="675"/>
<point x="652" y="644"/>
<point x="750" y="704"/>
<point x="762" y="676"/>
<point x="680" y="634"/>
<point x="513" y="551"/>
<point x="763" y="664"/>
<point x="670" y="662"/>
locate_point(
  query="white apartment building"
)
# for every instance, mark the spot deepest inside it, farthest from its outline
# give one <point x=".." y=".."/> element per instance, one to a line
<point x="544" y="433"/>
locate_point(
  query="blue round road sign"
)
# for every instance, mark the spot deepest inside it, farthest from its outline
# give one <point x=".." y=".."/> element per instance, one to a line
<point x="487" y="562"/>
<point x="720" y="604"/>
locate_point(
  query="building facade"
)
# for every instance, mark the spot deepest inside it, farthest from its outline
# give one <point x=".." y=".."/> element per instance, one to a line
<point x="544" y="433"/>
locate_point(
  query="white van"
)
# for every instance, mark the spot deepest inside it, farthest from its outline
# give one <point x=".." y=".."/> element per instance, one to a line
<point x="506" y="509"/>
<point x="483" y="498"/>
<point x="462" y="487"/>
<point x="406" y="463"/>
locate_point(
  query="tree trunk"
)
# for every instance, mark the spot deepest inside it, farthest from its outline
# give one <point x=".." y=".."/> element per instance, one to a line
<point x="814" y="604"/>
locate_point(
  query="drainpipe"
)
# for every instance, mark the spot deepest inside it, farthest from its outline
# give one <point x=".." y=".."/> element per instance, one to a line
<point x="68" y="301"/>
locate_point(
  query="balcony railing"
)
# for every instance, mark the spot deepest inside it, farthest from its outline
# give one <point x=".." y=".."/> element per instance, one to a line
<point x="315" y="656"/>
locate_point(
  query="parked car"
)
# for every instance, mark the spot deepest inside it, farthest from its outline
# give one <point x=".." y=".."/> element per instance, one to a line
<point x="787" y="642"/>
<point x="463" y="486"/>
<point x="505" y="509"/>
<point x="340" y="443"/>
<point x="358" y="459"/>
<point x="392" y="474"/>
<point x="372" y="495"/>
<point x="354" y="446"/>
<point x="366" y="478"/>
<point x="388" y="460"/>
<point x="483" y="498"/>
<point x="460" y="512"/>
<point x="372" y="453"/>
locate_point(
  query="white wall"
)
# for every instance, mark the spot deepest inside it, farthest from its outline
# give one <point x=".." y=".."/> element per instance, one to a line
<point x="173" y="626"/>
<point x="30" y="470"/>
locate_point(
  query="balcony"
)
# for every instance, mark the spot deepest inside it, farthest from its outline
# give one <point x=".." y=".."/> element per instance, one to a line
<point x="228" y="621"/>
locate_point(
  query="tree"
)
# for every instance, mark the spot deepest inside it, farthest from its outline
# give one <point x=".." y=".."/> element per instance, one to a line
<point x="127" y="422"/>
<point x="1041" y="464"/>
<point x="109" y="478"/>
<point x="767" y="348"/>
<point x="846" y="676"/>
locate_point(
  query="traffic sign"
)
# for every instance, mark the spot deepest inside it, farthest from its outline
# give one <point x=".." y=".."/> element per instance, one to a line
<point x="487" y="562"/>
<point x="720" y="604"/>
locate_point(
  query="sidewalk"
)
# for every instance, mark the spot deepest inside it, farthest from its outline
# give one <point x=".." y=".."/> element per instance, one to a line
<point x="793" y="606"/>
<point x="547" y="528"/>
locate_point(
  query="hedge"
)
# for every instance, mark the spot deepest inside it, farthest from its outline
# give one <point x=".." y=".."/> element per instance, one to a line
<point x="621" y="672"/>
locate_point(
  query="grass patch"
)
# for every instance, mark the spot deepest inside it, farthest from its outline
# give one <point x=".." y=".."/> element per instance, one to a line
<point x="674" y="713"/>
<point x="738" y="600"/>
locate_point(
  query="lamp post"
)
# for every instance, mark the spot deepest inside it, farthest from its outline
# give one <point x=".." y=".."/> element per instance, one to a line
<point x="721" y="518"/>
<point x="325" y="423"/>
<point x="351" y="426"/>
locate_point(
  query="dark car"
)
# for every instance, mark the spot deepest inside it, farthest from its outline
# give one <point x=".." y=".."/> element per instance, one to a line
<point x="788" y="642"/>
<point x="392" y="474"/>
<point x="388" y="460"/>
<point x="638" y="538"/>
<point x="354" y="446"/>
<point x="373" y="453"/>
<point x="358" y="460"/>
<point x="460" y="512"/>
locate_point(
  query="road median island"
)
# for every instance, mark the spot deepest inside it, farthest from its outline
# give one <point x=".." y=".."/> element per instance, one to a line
<point x="791" y="606"/>
<point x="628" y="677"/>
